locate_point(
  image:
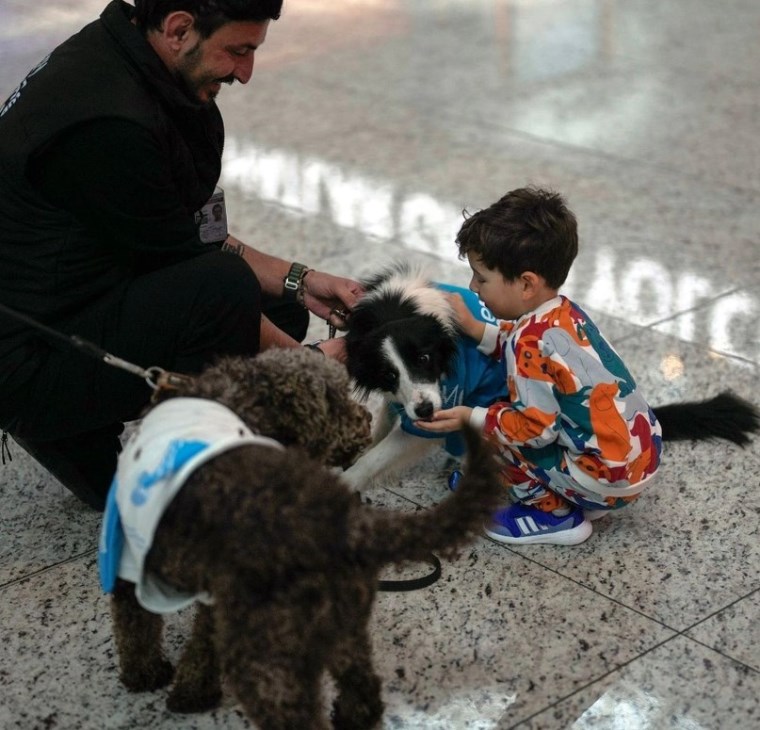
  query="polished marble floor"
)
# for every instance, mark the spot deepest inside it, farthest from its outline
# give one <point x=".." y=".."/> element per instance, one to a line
<point x="367" y="128"/>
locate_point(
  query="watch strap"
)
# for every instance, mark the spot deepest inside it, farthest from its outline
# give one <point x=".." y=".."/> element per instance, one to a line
<point x="292" y="284"/>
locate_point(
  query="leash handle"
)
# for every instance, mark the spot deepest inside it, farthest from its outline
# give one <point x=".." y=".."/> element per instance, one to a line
<point x="413" y="584"/>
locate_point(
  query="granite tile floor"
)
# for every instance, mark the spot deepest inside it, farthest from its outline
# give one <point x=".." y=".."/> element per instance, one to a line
<point x="367" y="128"/>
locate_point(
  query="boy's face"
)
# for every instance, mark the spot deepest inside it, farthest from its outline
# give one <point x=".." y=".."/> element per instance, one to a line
<point x="505" y="298"/>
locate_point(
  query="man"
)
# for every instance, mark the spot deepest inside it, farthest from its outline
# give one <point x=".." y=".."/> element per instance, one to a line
<point x="108" y="149"/>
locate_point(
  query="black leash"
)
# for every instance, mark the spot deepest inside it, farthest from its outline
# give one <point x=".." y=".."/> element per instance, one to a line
<point x="154" y="376"/>
<point x="158" y="379"/>
<point x="413" y="584"/>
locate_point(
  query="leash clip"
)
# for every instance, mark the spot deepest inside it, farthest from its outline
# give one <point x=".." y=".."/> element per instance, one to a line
<point x="336" y="313"/>
<point x="161" y="380"/>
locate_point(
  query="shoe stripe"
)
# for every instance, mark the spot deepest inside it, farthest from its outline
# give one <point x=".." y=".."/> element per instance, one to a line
<point x="528" y="525"/>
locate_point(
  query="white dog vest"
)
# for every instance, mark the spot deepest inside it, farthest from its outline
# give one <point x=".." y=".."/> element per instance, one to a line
<point x="171" y="442"/>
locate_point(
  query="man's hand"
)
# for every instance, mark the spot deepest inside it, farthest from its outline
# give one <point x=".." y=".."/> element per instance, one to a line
<point x="330" y="297"/>
<point x="446" y="421"/>
<point x="334" y="348"/>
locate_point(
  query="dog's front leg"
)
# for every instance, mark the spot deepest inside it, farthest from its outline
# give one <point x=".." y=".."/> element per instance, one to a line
<point x="397" y="451"/>
<point x="197" y="685"/>
<point x="142" y="664"/>
<point x="383" y="421"/>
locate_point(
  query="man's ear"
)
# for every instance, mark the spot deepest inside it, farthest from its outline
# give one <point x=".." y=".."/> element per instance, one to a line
<point x="176" y="28"/>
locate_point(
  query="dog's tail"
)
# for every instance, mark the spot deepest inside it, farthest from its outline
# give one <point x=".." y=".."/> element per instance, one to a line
<point x="387" y="536"/>
<point x="726" y="416"/>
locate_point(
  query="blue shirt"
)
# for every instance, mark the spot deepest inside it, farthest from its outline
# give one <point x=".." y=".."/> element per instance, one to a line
<point x="475" y="378"/>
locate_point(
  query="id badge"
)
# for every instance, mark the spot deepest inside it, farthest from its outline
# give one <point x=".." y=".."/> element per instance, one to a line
<point x="212" y="219"/>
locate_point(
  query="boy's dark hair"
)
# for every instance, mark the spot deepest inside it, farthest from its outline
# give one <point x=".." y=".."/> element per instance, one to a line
<point x="529" y="229"/>
<point x="210" y="15"/>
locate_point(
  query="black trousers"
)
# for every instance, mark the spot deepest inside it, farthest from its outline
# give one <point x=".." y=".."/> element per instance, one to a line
<point x="181" y="318"/>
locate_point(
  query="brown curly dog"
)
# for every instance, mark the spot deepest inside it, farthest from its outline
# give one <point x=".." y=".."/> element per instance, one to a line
<point x="288" y="553"/>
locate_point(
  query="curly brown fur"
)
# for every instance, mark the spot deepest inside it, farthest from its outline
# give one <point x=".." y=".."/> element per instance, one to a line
<point x="289" y="553"/>
<point x="295" y="396"/>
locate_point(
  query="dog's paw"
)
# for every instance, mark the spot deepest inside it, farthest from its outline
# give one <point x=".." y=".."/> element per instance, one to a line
<point x="148" y="678"/>
<point x="366" y="719"/>
<point x="185" y="701"/>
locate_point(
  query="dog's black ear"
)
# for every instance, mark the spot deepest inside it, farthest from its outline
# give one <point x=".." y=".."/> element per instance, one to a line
<point x="360" y="341"/>
<point x="361" y="322"/>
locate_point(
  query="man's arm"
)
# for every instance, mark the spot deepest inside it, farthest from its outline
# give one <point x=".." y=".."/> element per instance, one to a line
<point x="323" y="294"/>
<point x="270" y="270"/>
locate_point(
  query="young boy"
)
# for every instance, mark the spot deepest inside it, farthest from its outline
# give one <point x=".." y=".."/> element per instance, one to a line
<point x="575" y="435"/>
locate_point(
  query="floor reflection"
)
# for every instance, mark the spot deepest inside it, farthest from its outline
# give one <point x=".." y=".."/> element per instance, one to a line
<point x="644" y="291"/>
<point x="628" y="707"/>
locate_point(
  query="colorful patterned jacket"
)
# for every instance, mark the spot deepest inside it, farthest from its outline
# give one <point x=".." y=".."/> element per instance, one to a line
<point x="569" y="389"/>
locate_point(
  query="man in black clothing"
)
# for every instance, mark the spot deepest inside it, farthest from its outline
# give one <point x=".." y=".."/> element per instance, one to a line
<point x="108" y="149"/>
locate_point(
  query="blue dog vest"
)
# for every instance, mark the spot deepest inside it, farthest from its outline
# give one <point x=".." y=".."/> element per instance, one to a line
<point x="475" y="378"/>
<point x="170" y="443"/>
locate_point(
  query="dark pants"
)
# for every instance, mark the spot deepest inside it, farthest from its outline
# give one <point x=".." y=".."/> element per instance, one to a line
<point x="69" y="417"/>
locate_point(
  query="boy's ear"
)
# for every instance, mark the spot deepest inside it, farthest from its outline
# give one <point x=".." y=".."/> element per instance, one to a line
<point x="530" y="283"/>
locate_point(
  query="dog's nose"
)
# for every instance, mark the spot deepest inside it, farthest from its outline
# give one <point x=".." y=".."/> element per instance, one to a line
<point x="424" y="410"/>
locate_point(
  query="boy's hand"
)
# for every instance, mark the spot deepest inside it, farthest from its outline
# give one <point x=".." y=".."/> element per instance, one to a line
<point x="469" y="325"/>
<point x="446" y="421"/>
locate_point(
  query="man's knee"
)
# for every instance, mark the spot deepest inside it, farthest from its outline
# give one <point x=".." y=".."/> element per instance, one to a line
<point x="223" y="311"/>
<point x="228" y="279"/>
<point x="238" y="285"/>
<point x="290" y="317"/>
<point x="84" y="464"/>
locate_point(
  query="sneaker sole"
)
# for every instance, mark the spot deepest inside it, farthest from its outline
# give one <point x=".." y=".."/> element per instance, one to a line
<point x="579" y="533"/>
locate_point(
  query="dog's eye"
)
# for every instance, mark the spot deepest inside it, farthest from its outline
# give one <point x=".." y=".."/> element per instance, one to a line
<point x="390" y="380"/>
<point x="424" y="359"/>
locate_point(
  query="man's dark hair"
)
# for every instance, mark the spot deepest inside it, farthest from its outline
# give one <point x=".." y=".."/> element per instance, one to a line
<point x="529" y="229"/>
<point x="210" y="15"/>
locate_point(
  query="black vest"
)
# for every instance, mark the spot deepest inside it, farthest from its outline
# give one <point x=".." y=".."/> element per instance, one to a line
<point x="51" y="265"/>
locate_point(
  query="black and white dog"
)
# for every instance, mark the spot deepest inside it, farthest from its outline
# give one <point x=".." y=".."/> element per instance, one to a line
<point x="403" y="343"/>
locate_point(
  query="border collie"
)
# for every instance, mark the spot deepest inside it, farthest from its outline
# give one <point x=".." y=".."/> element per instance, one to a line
<point x="403" y="343"/>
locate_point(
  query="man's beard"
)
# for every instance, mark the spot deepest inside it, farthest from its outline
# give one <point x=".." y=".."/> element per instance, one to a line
<point x="193" y="79"/>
